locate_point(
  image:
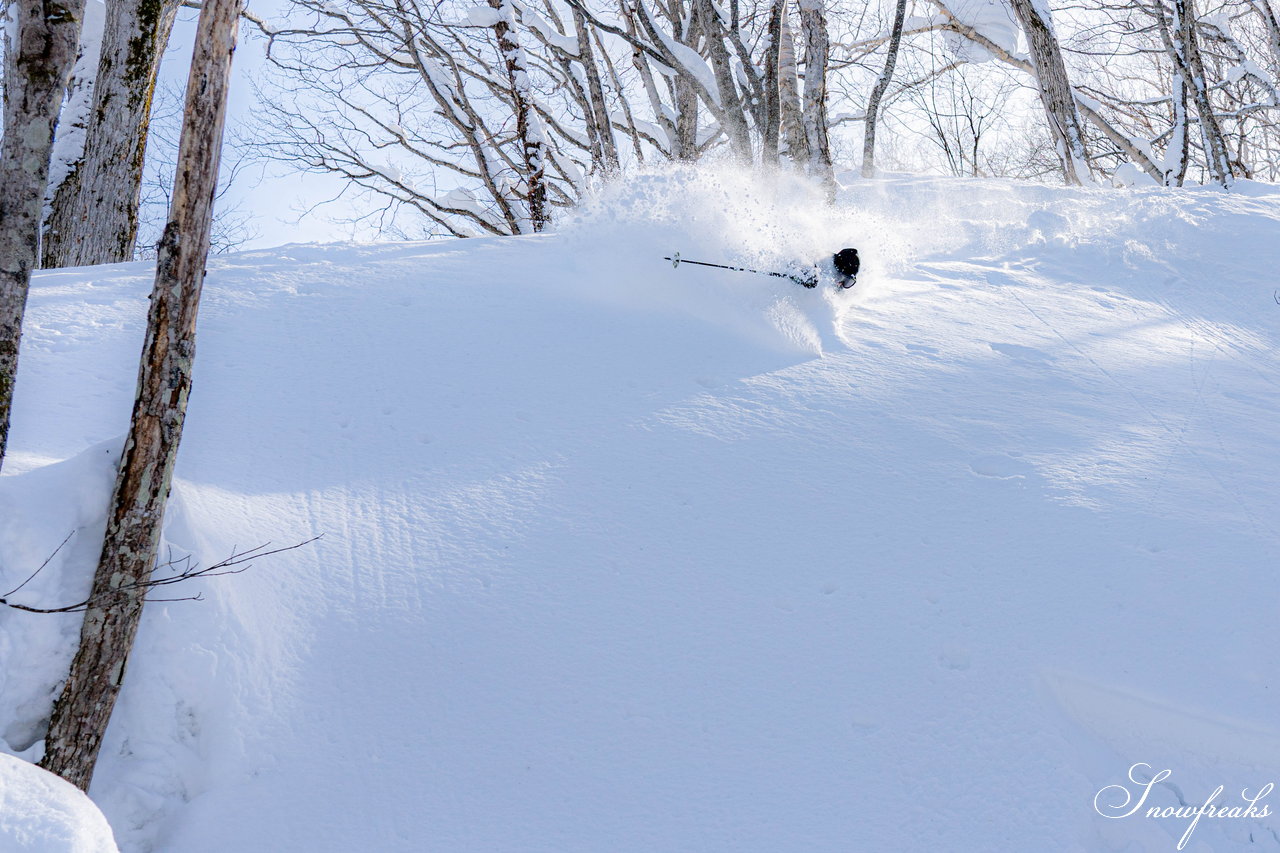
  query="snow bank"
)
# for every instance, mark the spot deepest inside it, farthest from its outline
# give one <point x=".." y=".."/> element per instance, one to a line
<point x="52" y="516"/>
<point x="615" y="560"/>
<point x="40" y="813"/>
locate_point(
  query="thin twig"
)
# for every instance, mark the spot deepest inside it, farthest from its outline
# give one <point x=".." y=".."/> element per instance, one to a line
<point x="42" y="565"/>
<point x="238" y="562"/>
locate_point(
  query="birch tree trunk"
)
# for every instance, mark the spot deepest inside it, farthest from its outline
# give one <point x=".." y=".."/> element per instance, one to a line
<point x="877" y="94"/>
<point x="1191" y="67"/>
<point x="686" y="123"/>
<point x="42" y="40"/>
<point x="1179" y="141"/>
<point x="1178" y="154"/>
<point x="94" y="215"/>
<point x="772" y="86"/>
<point x="81" y="714"/>
<point x="684" y="94"/>
<point x="817" y="48"/>
<point x="789" y="95"/>
<point x="529" y="130"/>
<point x="599" y="122"/>
<point x="1056" y="94"/>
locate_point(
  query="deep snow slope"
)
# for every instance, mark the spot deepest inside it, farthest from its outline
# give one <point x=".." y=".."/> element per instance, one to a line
<point x="620" y="557"/>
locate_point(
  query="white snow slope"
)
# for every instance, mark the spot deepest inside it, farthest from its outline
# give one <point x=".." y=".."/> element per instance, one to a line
<point x="40" y="813"/>
<point x="621" y="557"/>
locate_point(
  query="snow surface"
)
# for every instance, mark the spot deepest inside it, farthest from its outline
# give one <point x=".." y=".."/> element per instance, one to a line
<point x="40" y="813"/>
<point x="621" y="557"/>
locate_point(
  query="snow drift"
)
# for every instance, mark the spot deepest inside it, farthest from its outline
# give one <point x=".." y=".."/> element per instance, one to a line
<point x="40" y="813"/>
<point x="623" y="557"/>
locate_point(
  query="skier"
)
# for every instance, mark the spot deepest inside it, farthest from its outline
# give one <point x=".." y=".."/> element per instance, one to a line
<point x="842" y="267"/>
<point x="846" y="264"/>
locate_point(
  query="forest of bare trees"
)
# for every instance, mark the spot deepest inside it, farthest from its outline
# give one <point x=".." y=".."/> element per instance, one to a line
<point x="461" y="118"/>
<point x="488" y="119"/>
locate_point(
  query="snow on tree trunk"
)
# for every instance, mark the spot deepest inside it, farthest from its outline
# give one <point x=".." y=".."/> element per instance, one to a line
<point x="1056" y="94"/>
<point x="772" y="85"/>
<point x="813" y="21"/>
<point x="132" y="539"/>
<point x="529" y="129"/>
<point x="730" y="110"/>
<point x="41" y="43"/>
<point x="449" y="95"/>
<point x="1179" y="152"/>
<point x="73" y="121"/>
<point x="877" y="94"/>
<point x="685" y="94"/>
<point x="1191" y="67"/>
<point x="93" y="218"/>
<point x="692" y="79"/>
<point x="667" y="121"/>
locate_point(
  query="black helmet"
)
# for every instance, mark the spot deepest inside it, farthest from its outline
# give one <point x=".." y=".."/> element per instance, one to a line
<point x="846" y="261"/>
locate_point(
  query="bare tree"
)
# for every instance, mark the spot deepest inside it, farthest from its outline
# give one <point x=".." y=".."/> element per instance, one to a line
<point x="1190" y="68"/>
<point x="460" y="122"/>
<point x="1196" y="91"/>
<point x="93" y="216"/>
<point x="233" y="223"/>
<point x="877" y="94"/>
<point x="417" y="102"/>
<point x="1056" y="94"/>
<point x="964" y="110"/>
<point x="599" y="122"/>
<point x="817" y="54"/>
<point x="131" y="544"/>
<point x="1137" y="151"/>
<point x="40" y="50"/>
<point x="472" y="117"/>
<point x="532" y="138"/>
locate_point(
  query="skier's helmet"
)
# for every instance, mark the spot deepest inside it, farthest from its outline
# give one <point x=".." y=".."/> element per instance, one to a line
<point x="847" y="263"/>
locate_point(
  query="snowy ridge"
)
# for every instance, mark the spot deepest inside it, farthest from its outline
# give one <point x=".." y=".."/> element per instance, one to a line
<point x="625" y="557"/>
<point x="40" y="813"/>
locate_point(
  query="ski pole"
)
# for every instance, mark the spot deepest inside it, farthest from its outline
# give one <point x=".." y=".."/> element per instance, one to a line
<point x="676" y="261"/>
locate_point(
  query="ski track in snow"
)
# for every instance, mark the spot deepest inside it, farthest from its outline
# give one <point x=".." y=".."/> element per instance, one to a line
<point x="621" y="557"/>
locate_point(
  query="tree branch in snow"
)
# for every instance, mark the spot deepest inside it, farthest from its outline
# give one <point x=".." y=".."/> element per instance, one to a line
<point x="183" y="569"/>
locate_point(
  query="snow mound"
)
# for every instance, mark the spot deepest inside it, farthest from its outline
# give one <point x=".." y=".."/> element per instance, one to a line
<point x="40" y="813"/>
<point x="53" y="516"/>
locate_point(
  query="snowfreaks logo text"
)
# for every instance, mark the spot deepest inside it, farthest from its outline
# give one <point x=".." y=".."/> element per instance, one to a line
<point x="1118" y="801"/>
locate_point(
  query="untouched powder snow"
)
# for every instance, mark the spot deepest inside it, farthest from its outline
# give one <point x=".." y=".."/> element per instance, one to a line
<point x="621" y="557"/>
<point x="40" y="813"/>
